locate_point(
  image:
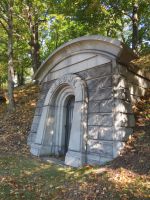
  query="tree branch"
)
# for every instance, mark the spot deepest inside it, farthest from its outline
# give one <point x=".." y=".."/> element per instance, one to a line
<point x="4" y="27"/>
<point x="3" y="15"/>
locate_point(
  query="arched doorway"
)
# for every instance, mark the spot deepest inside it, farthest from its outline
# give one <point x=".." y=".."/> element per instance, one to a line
<point x="69" y="117"/>
<point x="67" y="92"/>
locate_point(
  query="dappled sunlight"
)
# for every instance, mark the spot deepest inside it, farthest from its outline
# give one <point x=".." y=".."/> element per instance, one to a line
<point x="50" y="181"/>
<point x="33" y="103"/>
<point x="130" y="181"/>
<point x="15" y="126"/>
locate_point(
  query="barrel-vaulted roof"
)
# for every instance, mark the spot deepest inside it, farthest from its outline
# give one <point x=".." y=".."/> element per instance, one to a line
<point x="95" y="43"/>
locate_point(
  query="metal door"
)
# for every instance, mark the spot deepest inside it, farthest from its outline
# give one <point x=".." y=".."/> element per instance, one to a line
<point x="69" y="117"/>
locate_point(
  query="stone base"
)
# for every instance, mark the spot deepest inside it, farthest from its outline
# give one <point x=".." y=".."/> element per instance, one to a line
<point x="74" y="159"/>
<point x="39" y="150"/>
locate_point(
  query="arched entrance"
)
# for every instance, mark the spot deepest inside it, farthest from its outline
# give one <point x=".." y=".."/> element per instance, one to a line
<point x="65" y="104"/>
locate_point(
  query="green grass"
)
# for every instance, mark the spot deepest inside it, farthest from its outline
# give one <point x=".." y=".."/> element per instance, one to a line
<point x="28" y="178"/>
<point x="24" y="178"/>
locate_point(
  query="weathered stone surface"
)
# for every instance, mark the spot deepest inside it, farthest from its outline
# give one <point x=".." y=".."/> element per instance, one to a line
<point x="105" y="133"/>
<point x="101" y="133"/>
<point x="93" y="132"/>
<point x="109" y="133"/>
<point x="93" y="158"/>
<point x="31" y="138"/>
<point x="74" y="59"/>
<point x="122" y="133"/>
<point x="93" y="107"/>
<point x="134" y="98"/>
<point x="103" y="148"/>
<point x="104" y="160"/>
<point x="46" y="85"/>
<point x="100" y="94"/>
<point x="36" y="119"/>
<point x="97" y="71"/>
<point x="34" y="127"/>
<point x="124" y="120"/>
<point x="100" y="119"/>
<point x="122" y="106"/>
<point x="94" y="61"/>
<point x="103" y="106"/>
<point x="117" y="147"/>
<point x="96" y="84"/>
<point x="75" y="159"/>
<point x="40" y="103"/>
<point x="42" y="97"/>
<point x="119" y="81"/>
<point x="134" y="77"/>
<point x="38" y="111"/>
<point x="136" y="90"/>
<point x="122" y="94"/>
<point x="106" y="105"/>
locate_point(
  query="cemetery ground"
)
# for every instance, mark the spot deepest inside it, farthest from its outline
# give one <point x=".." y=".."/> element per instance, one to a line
<point x="23" y="176"/>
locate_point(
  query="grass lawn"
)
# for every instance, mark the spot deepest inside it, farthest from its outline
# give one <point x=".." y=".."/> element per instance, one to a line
<point x="24" y="177"/>
<point x="29" y="178"/>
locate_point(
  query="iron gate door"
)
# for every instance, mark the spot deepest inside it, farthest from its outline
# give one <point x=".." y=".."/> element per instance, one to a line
<point x="69" y="117"/>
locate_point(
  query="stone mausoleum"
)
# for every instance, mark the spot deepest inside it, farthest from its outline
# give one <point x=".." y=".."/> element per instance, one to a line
<point x="84" y="113"/>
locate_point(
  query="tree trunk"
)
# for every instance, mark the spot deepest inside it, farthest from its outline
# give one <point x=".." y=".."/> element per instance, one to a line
<point x="11" y="105"/>
<point x="135" y="28"/>
<point x="35" y="47"/>
<point x="20" y="77"/>
<point x="34" y="41"/>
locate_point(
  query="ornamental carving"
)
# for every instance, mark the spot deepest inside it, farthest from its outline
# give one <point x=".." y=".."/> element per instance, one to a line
<point x="70" y="79"/>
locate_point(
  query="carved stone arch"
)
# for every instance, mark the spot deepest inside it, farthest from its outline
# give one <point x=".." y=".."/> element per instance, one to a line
<point x="50" y="130"/>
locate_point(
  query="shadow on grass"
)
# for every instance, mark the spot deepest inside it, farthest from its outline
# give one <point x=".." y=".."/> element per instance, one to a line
<point x="26" y="178"/>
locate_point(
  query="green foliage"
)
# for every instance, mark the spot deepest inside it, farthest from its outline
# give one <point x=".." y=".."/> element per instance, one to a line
<point x="62" y="20"/>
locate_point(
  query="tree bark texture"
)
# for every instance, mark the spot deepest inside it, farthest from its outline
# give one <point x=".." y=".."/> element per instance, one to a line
<point x="34" y="35"/>
<point x="135" y="28"/>
<point x="20" y="77"/>
<point x="11" y="105"/>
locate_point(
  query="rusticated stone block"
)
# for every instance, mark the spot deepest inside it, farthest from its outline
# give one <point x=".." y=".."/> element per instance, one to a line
<point x="102" y="148"/>
<point x="93" y="158"/>
<point x="104" y="160"/>
<point x="106" y="105"/>
<point x="97" y="71"/>
<point x="103" y="106"/>
<point x="119" y="82"/>
<point x="122" y="133"/>
<point x="122" y="106"/>
<point x="93" y="106"/>
<point x="123" y="94"/>
<point x="100" y="94"/>
<point x="124" y="120"/>
<point x="105" y="133"/>
<point x="100" y="119"/>
<point x="93" y="132"/>
<point x="109" y="133"/>
<point x="96" y="84"/>
<point x="117" y="147"/>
